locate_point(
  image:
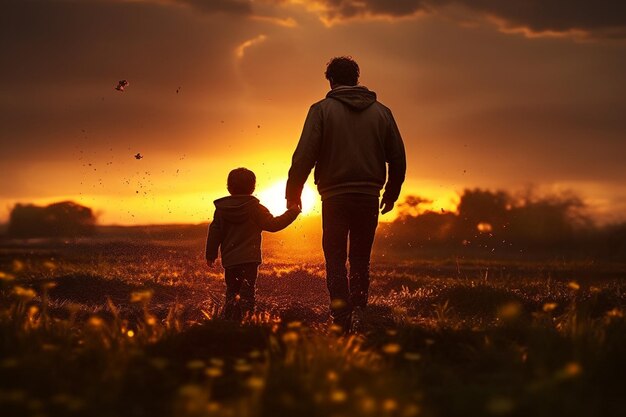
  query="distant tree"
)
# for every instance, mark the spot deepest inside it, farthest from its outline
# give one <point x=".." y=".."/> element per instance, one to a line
<point x="432" y="227"/>
<point x="613" y="241"/>
<point x="64" y="219"/>
<point x="548" y="220"/>
<point x="497" y="220"/>
<point x="482" y="211"/>
<point x="410" y="206"/>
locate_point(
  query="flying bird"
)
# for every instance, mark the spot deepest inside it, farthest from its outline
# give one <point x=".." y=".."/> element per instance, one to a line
<point x="138" y="155"/>
<point x="121" y="85"/>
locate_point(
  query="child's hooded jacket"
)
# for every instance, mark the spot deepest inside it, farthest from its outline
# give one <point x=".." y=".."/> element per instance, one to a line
<point x="237" y="226"/>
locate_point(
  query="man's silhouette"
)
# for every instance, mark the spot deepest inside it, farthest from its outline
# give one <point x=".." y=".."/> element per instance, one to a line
<point x="349" y="138"/>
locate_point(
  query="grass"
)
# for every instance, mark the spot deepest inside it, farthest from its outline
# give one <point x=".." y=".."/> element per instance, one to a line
<point x="102" y="329"/>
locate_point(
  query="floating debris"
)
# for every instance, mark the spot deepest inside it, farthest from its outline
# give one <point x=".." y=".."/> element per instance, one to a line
<point x="121" y="85"/>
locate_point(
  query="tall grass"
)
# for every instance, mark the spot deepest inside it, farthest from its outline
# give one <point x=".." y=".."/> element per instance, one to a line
<point x="430" y="346"/>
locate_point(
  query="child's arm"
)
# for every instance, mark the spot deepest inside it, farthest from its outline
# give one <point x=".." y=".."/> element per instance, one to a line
<point x="274" y="224"/>
<point x="214" y="239"/>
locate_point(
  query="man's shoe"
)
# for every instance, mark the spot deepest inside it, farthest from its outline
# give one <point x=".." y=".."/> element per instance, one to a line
<point x="358" y="317"/>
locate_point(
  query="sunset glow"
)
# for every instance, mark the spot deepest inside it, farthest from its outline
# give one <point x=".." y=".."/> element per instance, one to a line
<point x="273" y="198"/>
<point x="484" y="96"/>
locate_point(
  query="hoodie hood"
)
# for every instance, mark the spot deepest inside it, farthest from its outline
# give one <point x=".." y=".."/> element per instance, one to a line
<point x="236" y="208"/>
<point x="356" y="97"/>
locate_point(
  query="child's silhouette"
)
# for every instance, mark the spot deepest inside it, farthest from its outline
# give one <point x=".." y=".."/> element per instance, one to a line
<point x="236" y="230"/>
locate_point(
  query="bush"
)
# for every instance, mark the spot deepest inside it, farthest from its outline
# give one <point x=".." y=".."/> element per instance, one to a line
<point x="64" y="219"/>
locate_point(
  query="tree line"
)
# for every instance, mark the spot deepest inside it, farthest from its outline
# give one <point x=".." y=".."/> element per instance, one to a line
<point x="497" y="221"/>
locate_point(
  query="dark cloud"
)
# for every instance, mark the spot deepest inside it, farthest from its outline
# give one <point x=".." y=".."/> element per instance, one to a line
<point x="239" y="7"/>
<point x="398" y="7"/>
<point x="594" y="17"/>
<point x="334" y="10"/>
<point x="603" y="18"/>
<point x="235" y="7"/>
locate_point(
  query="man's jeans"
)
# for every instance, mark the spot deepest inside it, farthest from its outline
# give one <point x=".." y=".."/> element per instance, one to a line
<point x="240" y="290"/>
<point x="353" y="216"/>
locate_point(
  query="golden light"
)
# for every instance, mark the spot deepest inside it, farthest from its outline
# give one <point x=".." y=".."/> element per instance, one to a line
<point x="273" y="197"/>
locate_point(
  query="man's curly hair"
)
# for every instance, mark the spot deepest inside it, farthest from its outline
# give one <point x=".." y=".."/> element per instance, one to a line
<point x="343" y="70"/>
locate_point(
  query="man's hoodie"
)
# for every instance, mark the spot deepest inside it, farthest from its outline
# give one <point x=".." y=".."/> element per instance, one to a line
<point x="349" y="137"/>
<point x="237" y="226"/>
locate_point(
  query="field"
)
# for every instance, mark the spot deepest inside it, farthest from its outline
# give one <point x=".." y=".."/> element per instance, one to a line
<point x="130" y="326"/>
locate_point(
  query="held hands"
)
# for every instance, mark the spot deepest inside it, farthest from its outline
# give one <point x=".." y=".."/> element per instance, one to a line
<point x="295" y="203"/>
<point x="386" y="206"/>
<point x="295" y="207"/>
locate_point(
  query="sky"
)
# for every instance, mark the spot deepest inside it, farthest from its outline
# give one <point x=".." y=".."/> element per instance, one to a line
<point x="498" y="95"/>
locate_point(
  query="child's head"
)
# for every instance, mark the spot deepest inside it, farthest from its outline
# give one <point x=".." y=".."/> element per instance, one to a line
<point x="241" y="181"/>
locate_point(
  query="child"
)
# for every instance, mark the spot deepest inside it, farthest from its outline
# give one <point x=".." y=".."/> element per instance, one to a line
<point x="236" y="230"/>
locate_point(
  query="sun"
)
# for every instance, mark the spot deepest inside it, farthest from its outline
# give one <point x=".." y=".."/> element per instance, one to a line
<point x="273" y="197"/>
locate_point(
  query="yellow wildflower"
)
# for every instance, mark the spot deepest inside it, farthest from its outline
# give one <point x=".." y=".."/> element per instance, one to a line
<point x="392" y="348"/>
<point x="24" y="293"/>
<point x="256" y="382"/>
<point x="95" y="321"/>
<point x="18" y="265"/>
<point x="509" y="311"/>
<point x="4" y="276"/>
<point x="140" y="296"/>
<point x="290" y="337"/>
<point x="213" y="372"/>
<point x="338" y="396"/>
<point x="390" y="405"/>
<point x="548" y="307"/>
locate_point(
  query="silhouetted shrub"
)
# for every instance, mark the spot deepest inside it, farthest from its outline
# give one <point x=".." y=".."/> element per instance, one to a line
<point x="64" y="219"/>
<point x="482" y="210"/>
<point x="498" y="221"/>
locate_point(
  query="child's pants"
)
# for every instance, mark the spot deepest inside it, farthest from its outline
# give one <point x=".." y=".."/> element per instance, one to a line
<point x="240" y="289"/>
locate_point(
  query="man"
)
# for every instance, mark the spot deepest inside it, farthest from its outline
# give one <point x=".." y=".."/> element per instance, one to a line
<point x="349" y="138"/>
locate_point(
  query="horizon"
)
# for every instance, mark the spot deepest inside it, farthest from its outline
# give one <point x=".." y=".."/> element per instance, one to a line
<point x="402" y="209"/>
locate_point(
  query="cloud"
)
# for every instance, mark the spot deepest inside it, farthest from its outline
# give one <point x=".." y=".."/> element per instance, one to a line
<point x="336" y="11"/>
<point x="241" y="49"/>
<point x="287" y="22"/>
<point x="236" y="7"/>
<point x="599" y="19"/>
<point x="602" y="19"/>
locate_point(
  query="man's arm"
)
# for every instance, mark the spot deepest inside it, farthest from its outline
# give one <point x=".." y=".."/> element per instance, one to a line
<point x="214" y="238"/>
<point x="396" y="159"/>
<point x="273" y="224"/>
<point x="305" y="156"/>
